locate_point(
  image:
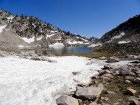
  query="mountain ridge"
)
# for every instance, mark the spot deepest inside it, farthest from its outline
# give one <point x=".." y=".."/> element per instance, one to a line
<point x="125" y="31"/>
<point x="36" y="32"/>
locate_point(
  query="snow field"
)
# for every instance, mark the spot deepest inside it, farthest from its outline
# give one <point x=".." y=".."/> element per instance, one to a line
<point x="28" y="82"/>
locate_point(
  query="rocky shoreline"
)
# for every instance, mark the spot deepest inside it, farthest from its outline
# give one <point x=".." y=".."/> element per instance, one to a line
<point x="112" y="86"/>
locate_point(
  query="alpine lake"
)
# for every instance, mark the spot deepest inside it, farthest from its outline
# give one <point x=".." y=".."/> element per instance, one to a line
<point x="60" y="51"/>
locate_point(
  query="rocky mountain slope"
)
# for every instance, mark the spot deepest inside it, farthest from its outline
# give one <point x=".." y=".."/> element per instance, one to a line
<point x="127" y="31"/>
<point x="31" y="31"/>
<point x="123" y="39"/>
<point x="94" y="39"/>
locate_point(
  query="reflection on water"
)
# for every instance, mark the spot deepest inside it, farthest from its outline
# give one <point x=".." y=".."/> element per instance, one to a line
<point x="64" y="50"/>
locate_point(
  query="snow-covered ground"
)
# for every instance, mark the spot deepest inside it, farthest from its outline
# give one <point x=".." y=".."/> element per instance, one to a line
<point x="28" y="82"/>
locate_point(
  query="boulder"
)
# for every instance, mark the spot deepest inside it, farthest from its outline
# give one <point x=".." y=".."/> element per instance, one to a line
<point x="107" y="66"/>
<point x="131" y="91"/>
<point x="66" y="100"/>
<point x="89" y="93"/>
<point x="124" y="72"/>
<point x="137" y="80"/>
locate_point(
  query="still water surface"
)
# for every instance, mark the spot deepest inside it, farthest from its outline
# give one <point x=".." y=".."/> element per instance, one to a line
<point x="64" y="50"/>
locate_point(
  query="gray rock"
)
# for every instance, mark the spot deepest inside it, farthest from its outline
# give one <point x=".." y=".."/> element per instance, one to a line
<point x="137" y="80"/>
<point x="128" y="82"/>
<point x="66" y="100"/>
<point x="93" y="103"/>
<point x="89" y="93"/>
<point x="101" y="72"/>
<point x="35" y="58"/>
<point x="52" y="61"/>
<point x="112" y="60"/>
<point x="75" y="73"/>
<point x="124" y="72"/>
<point x="107" y="66"/>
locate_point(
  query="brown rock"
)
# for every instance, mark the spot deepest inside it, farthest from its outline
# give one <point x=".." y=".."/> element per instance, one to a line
<point x="131" y="91"/>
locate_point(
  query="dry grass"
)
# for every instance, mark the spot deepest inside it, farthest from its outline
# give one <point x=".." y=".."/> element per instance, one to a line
<point x="97" y="55"/>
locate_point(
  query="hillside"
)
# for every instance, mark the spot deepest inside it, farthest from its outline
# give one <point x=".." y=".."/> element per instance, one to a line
<point x="127" y="31"/>
<point x="31" y="31"/>
<point x="124" y="39"/>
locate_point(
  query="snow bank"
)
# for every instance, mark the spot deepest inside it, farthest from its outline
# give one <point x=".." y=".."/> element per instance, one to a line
<point x="118" y="36"/>
<point x="28" y="82"/>
<point x="75" y="42"/>
<point x="28" y="40"/>
<point x="10" y="17"/>
<point x="2" y="27"/>
<point x="57" y="45"/>
<point x="47" y="36"/>
<point x="94" y="45"/>
<point x="123" y="42"/>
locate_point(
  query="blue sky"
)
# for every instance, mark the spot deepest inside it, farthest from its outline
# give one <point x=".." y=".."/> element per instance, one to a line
<point x="85" y="17"/>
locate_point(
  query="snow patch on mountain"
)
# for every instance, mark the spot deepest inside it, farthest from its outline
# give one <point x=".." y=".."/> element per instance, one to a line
<point x="95" y="45"/>
<point x="123" y="42"/>
<point x="28" y="40"/>
<point x="116" y="37"/>
<point x="75" y="42"/>
<point x="2" y="27"/>
<point x="57" y="45"/>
